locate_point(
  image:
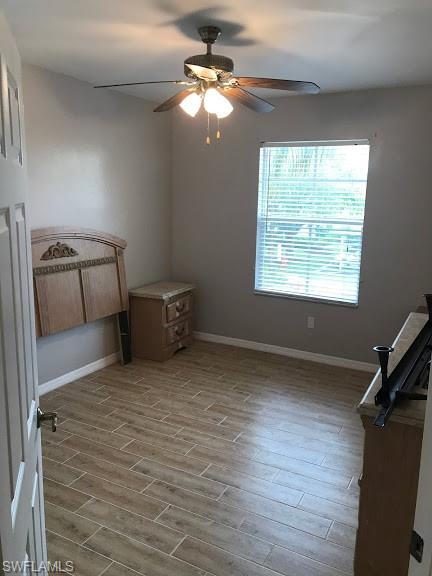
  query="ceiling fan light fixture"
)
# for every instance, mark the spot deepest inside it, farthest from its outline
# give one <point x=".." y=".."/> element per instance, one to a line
<point x="191" y="104"/>
<point x="216" y="103"/>
<point x="211" y="76"/>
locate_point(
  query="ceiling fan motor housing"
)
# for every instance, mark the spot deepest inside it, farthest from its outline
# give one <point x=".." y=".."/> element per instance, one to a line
<point x="216" y="61"/>
<point x="222" y="64"/>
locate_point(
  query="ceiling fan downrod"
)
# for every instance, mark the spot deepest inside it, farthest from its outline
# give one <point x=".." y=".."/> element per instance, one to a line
<point x="209" y="35"/>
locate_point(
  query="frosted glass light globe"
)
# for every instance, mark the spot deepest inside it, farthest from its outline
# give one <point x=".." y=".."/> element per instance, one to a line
<point x="216" y="103"/>
<point x="191" y="104"/>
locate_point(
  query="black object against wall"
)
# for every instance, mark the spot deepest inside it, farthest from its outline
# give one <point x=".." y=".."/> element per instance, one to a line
<point x="124" y="333"/>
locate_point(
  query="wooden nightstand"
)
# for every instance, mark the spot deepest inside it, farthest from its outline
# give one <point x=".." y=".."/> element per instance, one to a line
<point x="161" y="317"/>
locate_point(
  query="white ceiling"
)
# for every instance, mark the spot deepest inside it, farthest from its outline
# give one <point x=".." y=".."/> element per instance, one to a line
<point x="339" y="44"/>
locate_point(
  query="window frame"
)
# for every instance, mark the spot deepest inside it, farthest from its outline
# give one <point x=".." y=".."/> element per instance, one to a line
<point x="300" y="297"/>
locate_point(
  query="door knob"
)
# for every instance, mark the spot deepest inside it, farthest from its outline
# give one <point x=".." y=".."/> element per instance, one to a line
<point x="45" y="416"/>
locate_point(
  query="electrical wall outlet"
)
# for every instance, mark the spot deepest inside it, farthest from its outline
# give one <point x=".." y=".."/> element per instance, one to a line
<point x="311" y="321"/>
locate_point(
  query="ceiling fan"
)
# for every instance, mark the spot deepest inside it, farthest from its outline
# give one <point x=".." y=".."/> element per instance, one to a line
<point x="210" y="81"/>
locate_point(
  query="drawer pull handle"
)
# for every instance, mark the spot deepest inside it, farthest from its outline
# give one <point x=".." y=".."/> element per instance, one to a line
<point x="179" y="330"/>
<point x="180" y="306"/>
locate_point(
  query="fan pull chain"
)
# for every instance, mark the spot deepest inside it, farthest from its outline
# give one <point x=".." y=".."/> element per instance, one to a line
<point x="208" y="130"/>
<point x="218" y="133"/>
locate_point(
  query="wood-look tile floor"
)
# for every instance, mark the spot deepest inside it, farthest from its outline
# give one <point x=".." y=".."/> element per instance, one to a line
<point x="221" y="461"/>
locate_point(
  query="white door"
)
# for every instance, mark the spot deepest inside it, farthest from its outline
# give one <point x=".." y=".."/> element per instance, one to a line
<point x="423" y="515"/>
<point x="22" y="530"/>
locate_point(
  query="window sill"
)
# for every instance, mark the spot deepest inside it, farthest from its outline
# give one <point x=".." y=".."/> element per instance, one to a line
<point x="305" y="298"/>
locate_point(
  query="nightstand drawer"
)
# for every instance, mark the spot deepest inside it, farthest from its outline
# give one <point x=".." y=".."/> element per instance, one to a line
<point x="178" y="331"/>
<point x="180" y="307"/>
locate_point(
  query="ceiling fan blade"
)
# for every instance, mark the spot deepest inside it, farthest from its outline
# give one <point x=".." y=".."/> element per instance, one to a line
<point x="277" y="84"/>
<point x="142" y="83"/>
<point x="202" y="72"/>
<point x="173" y="101"/>
<point x="253" y="102"/>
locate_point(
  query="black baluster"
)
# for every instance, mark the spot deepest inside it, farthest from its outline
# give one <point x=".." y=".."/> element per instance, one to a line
<point x="383" y="396"/>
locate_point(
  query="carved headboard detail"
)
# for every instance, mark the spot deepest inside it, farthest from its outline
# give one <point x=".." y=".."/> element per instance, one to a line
<point x="79" y="276"/>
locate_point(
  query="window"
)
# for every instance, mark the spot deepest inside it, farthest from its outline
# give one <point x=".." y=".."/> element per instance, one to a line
<point x="311" y="202"/>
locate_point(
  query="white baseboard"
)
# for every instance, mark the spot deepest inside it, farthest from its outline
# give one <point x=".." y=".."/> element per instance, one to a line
<point x="78" y="373"/>
<point x="206" y="337"/>
<point x="290" y="352"/>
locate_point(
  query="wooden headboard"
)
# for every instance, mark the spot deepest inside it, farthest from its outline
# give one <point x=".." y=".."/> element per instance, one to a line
<point x="79" y="276"/>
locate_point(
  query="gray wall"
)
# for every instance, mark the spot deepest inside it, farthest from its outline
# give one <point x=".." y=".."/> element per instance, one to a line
<point x="101" y="160"/>
<point x="214" y="219"/>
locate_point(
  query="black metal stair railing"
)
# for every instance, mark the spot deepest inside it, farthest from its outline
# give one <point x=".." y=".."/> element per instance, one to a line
<point x="412" y="371"/>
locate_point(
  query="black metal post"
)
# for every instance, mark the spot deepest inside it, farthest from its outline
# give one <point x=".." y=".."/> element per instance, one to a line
<point x="383" y="396"/>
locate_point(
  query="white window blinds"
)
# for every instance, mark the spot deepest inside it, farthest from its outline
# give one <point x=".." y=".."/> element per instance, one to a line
<point x="311" y="201"/>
